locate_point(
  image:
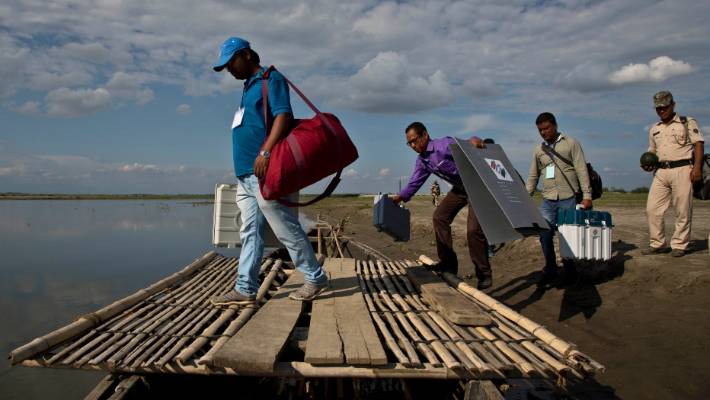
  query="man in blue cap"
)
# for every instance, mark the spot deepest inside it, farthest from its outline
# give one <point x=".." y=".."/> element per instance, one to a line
<point x="252" y="141"/>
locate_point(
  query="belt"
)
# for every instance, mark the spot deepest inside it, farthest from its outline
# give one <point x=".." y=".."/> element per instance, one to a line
<point x="674" y="164"/>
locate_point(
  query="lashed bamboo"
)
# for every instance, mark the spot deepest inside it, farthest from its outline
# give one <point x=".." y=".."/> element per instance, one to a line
<point x="411" y="359"/>
<point x="389" y="339"/>
<point x="293" y="369"/>
<point x="334" y="234"/>
<point x="320" y="245"/>
<point x="182" y="316"/>
<point x="242" y="319"/>
<point x="197" y="344"/>
<point x="233" y="327"/>
<point x="132" y="319"/>
<point x="534" y="328"/>
<point x="88" y="321"/>
<point x="182" y="323"/>
<point x="437" y="346"/>
<point x="424" y="348"/>
<point x="151" y="309"/>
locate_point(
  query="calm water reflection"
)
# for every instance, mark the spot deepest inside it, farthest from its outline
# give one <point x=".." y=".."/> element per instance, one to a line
<point x="60" y="259"/>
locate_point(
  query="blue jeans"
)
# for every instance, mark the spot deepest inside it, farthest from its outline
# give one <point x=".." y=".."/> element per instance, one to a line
<point x="549" y="208"/>
<point x="255" y="213"/>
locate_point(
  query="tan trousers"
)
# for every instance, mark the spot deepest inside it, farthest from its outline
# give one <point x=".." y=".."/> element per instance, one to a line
<point x="668" y="185"/>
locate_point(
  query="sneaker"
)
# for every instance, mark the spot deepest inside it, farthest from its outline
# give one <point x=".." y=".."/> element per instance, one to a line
<point x="485" y="283"/>
<point x="308" y="291"/>
<point x="654" y="250"/>
<point x="233" y="298"/>
<point x="677" y="253"/>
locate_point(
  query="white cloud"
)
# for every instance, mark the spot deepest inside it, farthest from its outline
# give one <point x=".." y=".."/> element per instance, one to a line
<point x="91" y="52"/>
<point x="28" y="108"/>
<point x="12" y="61"/>
<point x="67" y="102"/>
<point x="480" y="86"/>
<point x="18" y="170"/>
<point x="478" y="122"/>
<point x="657" y="70"/>
<point x="136" y="167"/>
<point x="130" y="86"/>
<point x="387" y="84"/>
<point x="48" y="80"/>
<point x="384" y="172"/>
<point x="350" y="173"/>
<point x="183" y="109"/>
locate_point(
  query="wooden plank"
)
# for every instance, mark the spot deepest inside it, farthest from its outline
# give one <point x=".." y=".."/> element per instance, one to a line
<point x="449" y="302"/>
<point x="256" y="347"/>
<point x="361" y="345"/>
<point x="324" y="345"/>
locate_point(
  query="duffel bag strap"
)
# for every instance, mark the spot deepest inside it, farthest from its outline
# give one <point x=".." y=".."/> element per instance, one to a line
<point x="327" y="192"/>
<point x="265" y="94"/>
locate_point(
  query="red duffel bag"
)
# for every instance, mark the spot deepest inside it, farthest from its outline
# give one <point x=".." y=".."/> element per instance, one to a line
<point x="312" y="150"/>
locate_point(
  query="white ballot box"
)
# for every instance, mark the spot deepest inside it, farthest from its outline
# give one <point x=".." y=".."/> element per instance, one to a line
<point x="584" y="235"/>
<point x="227" y="221"/>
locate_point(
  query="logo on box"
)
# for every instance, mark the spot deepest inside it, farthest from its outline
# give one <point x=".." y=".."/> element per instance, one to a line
<point x="499" y="170"/>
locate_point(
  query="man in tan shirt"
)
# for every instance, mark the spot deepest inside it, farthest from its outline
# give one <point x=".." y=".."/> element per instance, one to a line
<point x="679" y="145"/>
<point x="561" y="184"/>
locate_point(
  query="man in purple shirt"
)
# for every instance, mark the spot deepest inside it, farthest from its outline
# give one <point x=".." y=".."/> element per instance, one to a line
<point x="435" y="158"/>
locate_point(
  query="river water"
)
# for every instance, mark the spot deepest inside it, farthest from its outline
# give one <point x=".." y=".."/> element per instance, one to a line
<point x="60" y="259"/>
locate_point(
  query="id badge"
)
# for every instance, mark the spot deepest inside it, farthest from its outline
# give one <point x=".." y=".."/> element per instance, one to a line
<point x="238" y="117"/>
<point x="550" y="172"/>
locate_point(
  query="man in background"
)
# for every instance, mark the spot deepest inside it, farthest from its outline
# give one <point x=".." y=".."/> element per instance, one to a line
<point x="679" y="145"/>
<point x="559" y="160"/>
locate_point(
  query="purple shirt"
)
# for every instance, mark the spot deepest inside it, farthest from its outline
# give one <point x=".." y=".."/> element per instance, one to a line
<point x="437" y="160"/>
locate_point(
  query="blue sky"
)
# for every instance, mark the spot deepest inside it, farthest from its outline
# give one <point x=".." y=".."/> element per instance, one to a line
<point x="119" y="97"/>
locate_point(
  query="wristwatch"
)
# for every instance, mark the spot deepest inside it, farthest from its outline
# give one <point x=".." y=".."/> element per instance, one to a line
<point x="265" y="154"/>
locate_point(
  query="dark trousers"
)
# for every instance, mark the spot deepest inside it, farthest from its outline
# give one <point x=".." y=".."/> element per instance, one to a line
<point x="549" y="209"/>
<point x="444" y="215"/>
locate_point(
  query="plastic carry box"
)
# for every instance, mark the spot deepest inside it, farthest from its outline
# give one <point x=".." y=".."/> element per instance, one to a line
<point x="584" y="235"/>
<point x="227" y="221"/>
<point x="390" y="218"/>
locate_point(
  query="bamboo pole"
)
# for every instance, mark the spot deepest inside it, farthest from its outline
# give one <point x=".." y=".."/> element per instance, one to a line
<point x="187" y="352"/>
<point x="337" y="243"/>
<point x="122" y="346"/>
<point x="293" y="369"/>
<point x="233" y="327"/>
<point x="534" y="328"/>
<point x="129" y="322"/>
<point x="412" y="358"/>
<point x="241" y="320"/>
<point x="320" y="247"/>
<point x="183" y="316"/>
<point x="440" y="349"/>
<point x="88" y="321"/>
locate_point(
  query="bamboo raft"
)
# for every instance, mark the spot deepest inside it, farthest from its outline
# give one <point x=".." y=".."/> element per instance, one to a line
<point x="378" y="319"/>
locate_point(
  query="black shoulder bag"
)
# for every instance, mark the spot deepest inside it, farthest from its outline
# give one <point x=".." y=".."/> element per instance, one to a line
<point x="595" y="181"/>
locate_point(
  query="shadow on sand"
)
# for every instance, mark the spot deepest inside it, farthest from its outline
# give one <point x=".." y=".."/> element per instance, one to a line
<point x="580" y="294"/>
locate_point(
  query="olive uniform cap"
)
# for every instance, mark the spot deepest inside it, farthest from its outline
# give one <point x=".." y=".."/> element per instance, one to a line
<point x="663" y="98"/>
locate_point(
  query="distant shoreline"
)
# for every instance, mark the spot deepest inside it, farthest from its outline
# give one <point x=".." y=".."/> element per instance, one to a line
<point x="56" y="196"/>
<point x="138" y="196"/>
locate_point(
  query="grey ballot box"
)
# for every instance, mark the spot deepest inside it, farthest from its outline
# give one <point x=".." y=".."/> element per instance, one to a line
<point x="391" y="219"/>
<point x="496" y="193"/>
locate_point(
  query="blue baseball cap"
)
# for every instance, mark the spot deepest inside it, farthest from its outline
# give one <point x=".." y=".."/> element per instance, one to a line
<point x="229" y="47"/>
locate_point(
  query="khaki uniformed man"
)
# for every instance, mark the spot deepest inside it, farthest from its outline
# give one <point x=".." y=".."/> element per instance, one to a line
<point x="679" y="145"/>
<point x="435" y="193"/>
